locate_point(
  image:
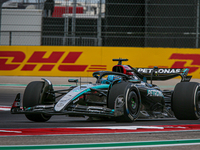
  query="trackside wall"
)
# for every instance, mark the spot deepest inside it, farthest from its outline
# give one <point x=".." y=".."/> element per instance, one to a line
<point x="83" y="61"/>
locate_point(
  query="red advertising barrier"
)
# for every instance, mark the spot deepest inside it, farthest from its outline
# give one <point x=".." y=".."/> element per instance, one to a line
<point x="60" y="10"/>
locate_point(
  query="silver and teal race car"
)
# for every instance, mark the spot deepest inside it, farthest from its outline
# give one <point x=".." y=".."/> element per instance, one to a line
<point x="123" y="94"/>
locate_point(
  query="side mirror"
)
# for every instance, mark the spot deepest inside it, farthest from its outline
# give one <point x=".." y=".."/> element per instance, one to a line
<point x="73" y="80"/>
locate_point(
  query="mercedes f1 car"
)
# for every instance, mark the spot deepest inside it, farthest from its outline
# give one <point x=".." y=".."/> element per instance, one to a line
<point x="123" y="94"/>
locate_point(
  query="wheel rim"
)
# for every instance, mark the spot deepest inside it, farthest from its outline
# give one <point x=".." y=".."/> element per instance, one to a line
<point x="133" y="103"/>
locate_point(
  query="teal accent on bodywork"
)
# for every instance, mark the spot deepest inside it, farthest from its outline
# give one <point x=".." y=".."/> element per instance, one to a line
<point x="112" y="111"/>
<point x="145" y="79"/>
<point x="134" y="80"/>
<point x="185" y="71"/>
<point x="102" y="86"/>
<point x="127" y="111"/>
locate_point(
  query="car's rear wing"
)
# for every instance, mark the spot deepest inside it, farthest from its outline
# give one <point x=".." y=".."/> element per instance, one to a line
<point x="153" y="73"/>
<point x="163" y="73"/>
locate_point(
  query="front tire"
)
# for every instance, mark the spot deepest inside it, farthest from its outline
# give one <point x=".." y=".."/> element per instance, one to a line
<point x="186" y="101"/>
<point x="33" y="96"/>
<point x="131" y="99"/>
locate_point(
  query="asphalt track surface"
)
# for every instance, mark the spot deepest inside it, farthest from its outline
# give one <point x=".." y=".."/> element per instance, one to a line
<point x="10" y="86"/>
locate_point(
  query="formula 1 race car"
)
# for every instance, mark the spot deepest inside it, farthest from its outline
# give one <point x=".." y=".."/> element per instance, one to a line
<point x="123" y="94"/>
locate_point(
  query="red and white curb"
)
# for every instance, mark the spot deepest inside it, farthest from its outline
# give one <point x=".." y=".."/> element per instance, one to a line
<point x="98" y="130"/>
<point x="5" y="108"/>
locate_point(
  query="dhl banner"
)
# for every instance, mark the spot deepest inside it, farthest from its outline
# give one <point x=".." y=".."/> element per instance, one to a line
<point x="83" y="61"/>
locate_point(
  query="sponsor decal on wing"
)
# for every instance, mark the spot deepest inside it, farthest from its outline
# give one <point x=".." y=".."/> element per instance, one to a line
<point x="160" y="70"/>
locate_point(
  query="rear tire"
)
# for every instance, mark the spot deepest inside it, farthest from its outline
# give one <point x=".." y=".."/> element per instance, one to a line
<point x="33" y="96"/>
<point x="131" y="99"/>
<point x="186" y="101"/>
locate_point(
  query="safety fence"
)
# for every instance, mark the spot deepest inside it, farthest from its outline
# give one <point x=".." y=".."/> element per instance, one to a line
<point x="34" y="38"/>
<point x="68" y="41"/>
<point x="127" y="23"/>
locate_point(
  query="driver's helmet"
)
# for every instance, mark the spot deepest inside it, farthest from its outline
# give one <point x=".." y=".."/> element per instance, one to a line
<point x="110" y="78"/>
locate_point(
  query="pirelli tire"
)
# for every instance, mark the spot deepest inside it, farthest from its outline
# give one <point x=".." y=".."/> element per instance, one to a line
<point x="131" y="100"/>
<point x="34" y="95"/>
<point x="186" y="101"/>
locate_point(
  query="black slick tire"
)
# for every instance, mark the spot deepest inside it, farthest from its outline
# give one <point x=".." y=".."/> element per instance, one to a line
<point x="33" y="96"/>
<point x="186" y="101"/>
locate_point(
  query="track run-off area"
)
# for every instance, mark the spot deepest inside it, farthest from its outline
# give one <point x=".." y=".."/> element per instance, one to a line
<point x="61" y="132"/>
